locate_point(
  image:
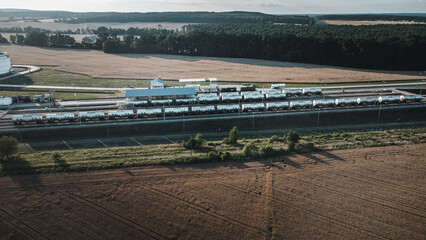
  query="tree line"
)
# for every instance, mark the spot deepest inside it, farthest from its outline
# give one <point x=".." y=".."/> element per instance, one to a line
<point x="373" y="17"/>
<point x="387" y="47"/>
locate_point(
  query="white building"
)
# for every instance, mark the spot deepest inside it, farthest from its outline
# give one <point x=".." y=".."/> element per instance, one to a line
<point x="157" y="84"/>
<point x="5" y="64"/>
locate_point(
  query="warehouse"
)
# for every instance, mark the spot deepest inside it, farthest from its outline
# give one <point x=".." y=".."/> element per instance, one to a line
<point x="166" y="93"/>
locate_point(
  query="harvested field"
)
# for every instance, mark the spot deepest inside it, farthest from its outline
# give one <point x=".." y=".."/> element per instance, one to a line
<point x="372" y="193"/>
<point x="144" y="66"/>
<point x="360" y="23"/>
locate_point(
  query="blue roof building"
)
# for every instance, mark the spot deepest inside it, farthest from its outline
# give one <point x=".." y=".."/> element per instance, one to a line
<point x="165" y="92"/>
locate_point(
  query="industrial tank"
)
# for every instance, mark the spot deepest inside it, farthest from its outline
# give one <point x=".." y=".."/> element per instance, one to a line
<point x="5" y="64"/>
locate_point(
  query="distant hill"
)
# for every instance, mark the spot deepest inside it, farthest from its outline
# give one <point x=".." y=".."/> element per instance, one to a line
<point x="416" y="17"/>
<point x="185" y="17"/>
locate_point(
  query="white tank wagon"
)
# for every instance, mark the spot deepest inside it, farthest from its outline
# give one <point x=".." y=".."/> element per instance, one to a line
<point x="53" y="117"/>
<point x="345" y="101"/>
<point x="311" y="91"/>
<point x="208" y="97"/>
<point x="277" y="105"/>
<point x="229" y="98"/>
<point x="161" y="101"/>
<point x="229" y="94"/>
<point x="186" y="100"/>
<point x="149" y="112"/>
<point x="271" y="91"/>
<point x="121" y="114"/>
<point x="253" y="107"/>
<point x="6" y="101"/>
<point x="249" y="97"/>
<point x="323" y="103"/>
<point x="410" y="98"/>
<point x="137" y="103"/>
<point x="389" y="99"/>
<point x="176" y="110"/>
<point x="203" y="109"/>
<point x="18" y="119"/>
<point x="293" y="91"/>
<point x="276" y="95"/>
<point x="5" y="64"/>
<point x="250" y="93"/>
<point x="367" y="100"/>
<point x="228" y="108"/>
<point x="301" y="104"/>
<point x="91" y="115"/>
<point x="278" y="86"/>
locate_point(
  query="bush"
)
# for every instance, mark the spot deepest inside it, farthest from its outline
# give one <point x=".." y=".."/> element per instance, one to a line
<point x="291" y="146"/>
<point x="194" y="143"/>
<point x="233" y="136"/>
<point x="305" y="148"/>
<point x="56" y="157"/>
<point x="8" y="146"/>
<point x="213" y="156"/>
<point x="293" y="137"/>
<point x="274" y="138"/>
<point x="249" y="150"/>
<point x="226" y="156"/>
<point x="266" y="151"/>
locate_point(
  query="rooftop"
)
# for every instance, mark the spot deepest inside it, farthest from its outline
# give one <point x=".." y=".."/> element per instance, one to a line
<point x="160" y="92"/>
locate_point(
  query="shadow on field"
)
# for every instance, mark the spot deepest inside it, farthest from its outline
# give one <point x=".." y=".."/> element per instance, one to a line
<point x="315" y="158"/>
<point x="61" y="164"/>
<point x="18" y="165"/>
<point x="330" y="155"/>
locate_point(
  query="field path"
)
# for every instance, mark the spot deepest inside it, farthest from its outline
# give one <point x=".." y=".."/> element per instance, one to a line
<point x="372" y="193"/>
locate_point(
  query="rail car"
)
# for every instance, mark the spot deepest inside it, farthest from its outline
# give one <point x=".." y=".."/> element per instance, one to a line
<point x="274" y="96"/>
<point x="231" y="98"/>
<point x="300" y="104"/>
<point x="137" y="103"/>
<point x="271" y="91"/>
<point x="323" y="103"/>
<point x="253" y="97"/>
<point x="345" y="101"/>
<point x="121" y="114"/>
<point x="252" y="107"/>
<point x="161" y="101"/>
<point x="148" y="112"/>
<point x="185" y="100"/>
<point x="293" y="91"/>
<point x="277" y="105"/>
<point x="311" y="91"/>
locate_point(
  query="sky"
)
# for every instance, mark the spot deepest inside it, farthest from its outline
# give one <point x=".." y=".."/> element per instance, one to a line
<point x="266" y="6"/>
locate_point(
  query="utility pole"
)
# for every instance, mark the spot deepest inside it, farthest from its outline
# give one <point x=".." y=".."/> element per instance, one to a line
<point x="378" y="116"/>
<point x="319" y="111"/>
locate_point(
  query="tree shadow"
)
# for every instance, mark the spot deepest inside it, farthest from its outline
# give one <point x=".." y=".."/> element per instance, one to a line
<point x="315" y="158"/>
<point x="61" y="164"/>
<point x="330" y="155"/>
<point x="16" y="166"/>
<point x="288" y="161"/>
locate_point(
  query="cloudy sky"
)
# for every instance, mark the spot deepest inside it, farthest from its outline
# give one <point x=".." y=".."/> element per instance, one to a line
<point x="267" y="6"/>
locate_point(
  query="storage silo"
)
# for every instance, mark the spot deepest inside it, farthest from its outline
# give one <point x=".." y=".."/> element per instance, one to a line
<point x="5" y="64"/>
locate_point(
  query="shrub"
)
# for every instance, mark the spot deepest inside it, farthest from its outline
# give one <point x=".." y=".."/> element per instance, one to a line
<point x="291" y="146"/>
<point x="274" y="138"/>
<point x="8" y="146"/>
<point x="194" y="143"/>
<point x="56" y="157"/>
<point x="213" y="156"/>
<point x="249" y="150"/>
<point x="305" y="148"/>
<point x="293" y="137"/>
<point x="266" y="150"/>
<point x="226" y="156"/>
<point x="233" y="136"/>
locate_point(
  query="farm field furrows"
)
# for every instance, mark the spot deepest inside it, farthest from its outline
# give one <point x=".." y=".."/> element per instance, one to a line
<point x="370" y="193"/>
<point x="149" y="66"/>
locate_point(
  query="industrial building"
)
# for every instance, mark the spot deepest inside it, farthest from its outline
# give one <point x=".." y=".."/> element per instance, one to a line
<point x="5" y="64"/>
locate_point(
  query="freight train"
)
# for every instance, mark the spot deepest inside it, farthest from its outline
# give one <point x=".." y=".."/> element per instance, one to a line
<point x="205" y="109"/>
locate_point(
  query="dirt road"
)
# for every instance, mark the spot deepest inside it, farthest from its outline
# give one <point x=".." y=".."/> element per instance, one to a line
<point x="375" y="193"/>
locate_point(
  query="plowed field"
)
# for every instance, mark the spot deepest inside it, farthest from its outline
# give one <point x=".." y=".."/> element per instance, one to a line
<point x="373" y="193"/>
<point x="144" y="66"/>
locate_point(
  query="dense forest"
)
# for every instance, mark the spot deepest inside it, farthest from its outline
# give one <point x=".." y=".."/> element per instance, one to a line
<point x="387" y="47"/>
<point x="374" y="17"/>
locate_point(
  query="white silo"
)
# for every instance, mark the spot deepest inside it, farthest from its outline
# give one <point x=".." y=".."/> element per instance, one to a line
<point x="5" y="64"/>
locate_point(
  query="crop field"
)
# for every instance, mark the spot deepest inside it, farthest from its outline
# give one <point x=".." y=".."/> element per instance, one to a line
<point x="371" y="193"/>
<point x="145" y="66"/>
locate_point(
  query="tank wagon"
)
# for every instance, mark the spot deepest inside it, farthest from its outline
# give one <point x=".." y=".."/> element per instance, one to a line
<point x="5" y="64"/>
<point x="311" y="91"/>
<point x="5" y="101"/>
<point x="277" y="105"/>
<point x="275" y="96"/>
<point x="252" y="107"/>
<point x="100" y="115"/>
<point x="230" y="98"/>
<point x="208" y="98"/>
<point x="323" y="103"/>
<point x="345" y="101"/>
<point x="293" y="91"/>
<point x="301" y="104"/>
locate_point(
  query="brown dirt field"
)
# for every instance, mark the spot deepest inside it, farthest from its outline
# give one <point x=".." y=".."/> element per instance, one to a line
<point x="374" y="193"/>
<point x="359" y="23"/>
<point x="143" y="66"/>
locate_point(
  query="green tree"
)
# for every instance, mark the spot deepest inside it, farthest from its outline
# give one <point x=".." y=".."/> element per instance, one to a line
<point x="293" y="137"/>
<point x="13" y="38"/>
<point x="8" y="146"/>
<point x="20" y="39"/>
<point x="233" y="136"/>
<point x="35" y="38"/>
<point x="249" y="150"/>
